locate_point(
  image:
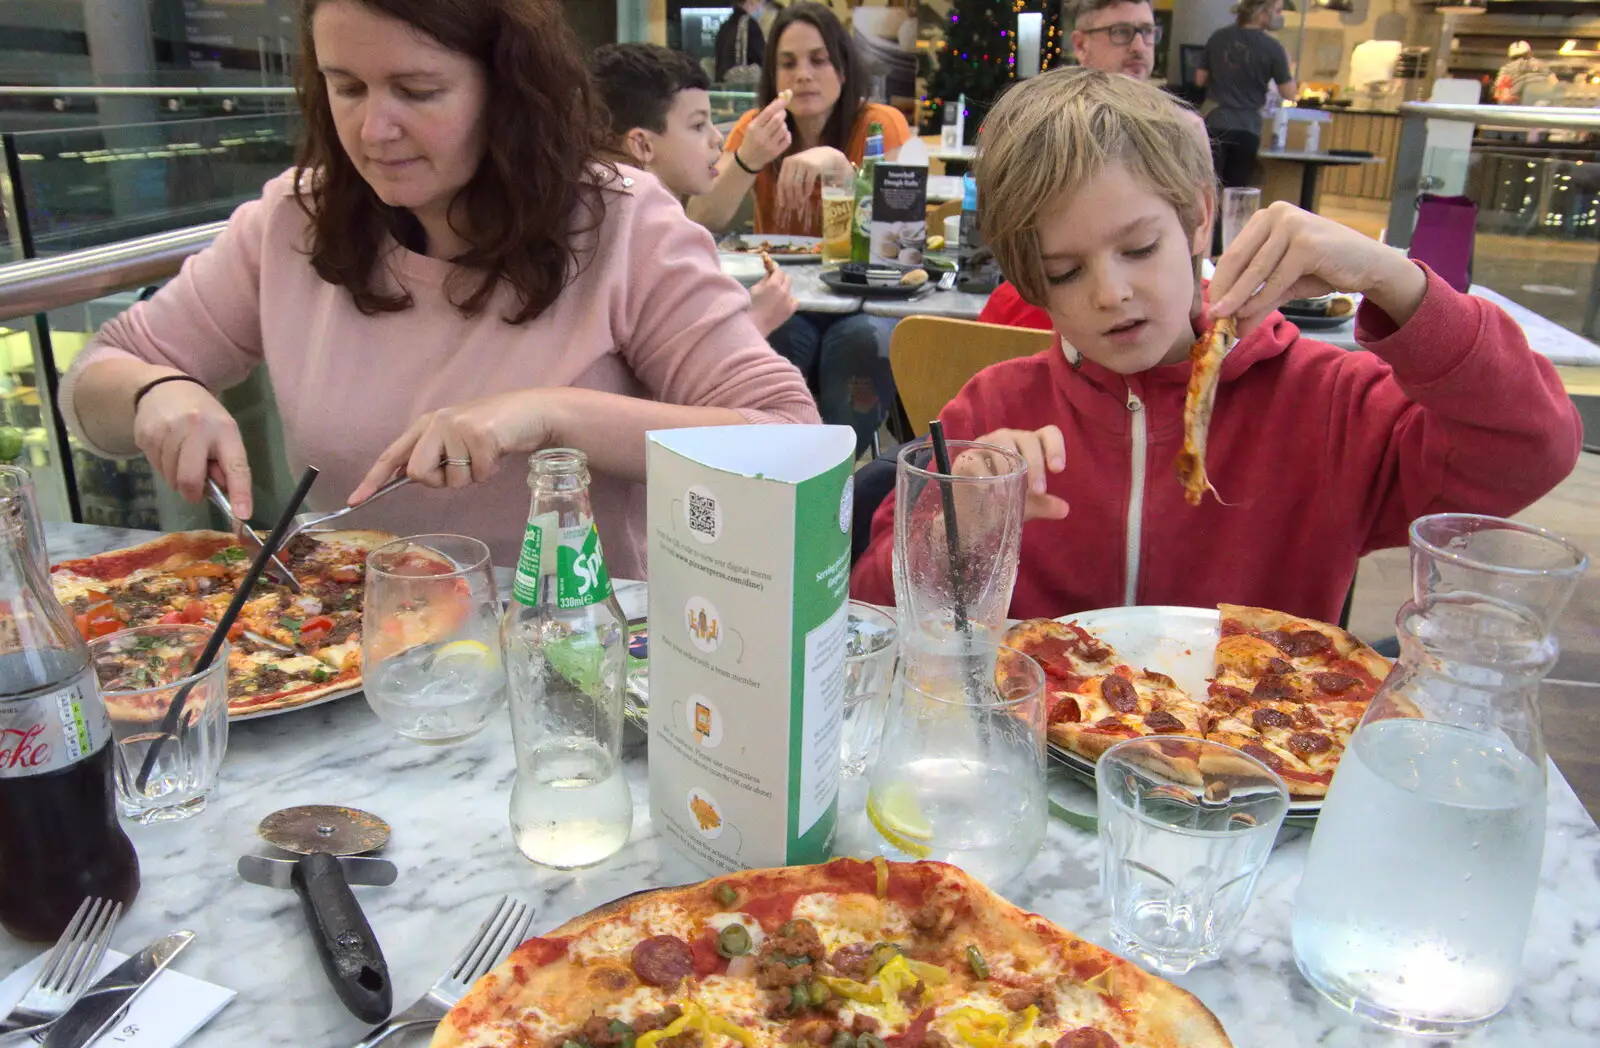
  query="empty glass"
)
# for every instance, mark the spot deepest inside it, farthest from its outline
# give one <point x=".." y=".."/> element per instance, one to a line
<point x="1237" y="207"/>
<point x="871" y="638"/>
<point x="956" y="571"/>
<point x="1185" y="828"/>
<point x="141" y="671"/>
<point x="960" y="773"/>
<point x="430" y="641"/>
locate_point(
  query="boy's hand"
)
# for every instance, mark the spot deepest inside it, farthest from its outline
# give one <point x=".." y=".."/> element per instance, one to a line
<point x="767" y="136"/>
<point x="1285" y="253"/>
<point x="772" y="302"/>
<point x="1044" y="450"/>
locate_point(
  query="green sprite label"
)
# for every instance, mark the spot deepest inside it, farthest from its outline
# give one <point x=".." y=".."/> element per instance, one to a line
<point x="581" y="576"/>
<point x="525" y="584"/>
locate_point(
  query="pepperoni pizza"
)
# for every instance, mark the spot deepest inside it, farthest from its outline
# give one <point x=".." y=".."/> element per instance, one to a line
<point x="849" y="954"/>
<point x="1286" y="690"/>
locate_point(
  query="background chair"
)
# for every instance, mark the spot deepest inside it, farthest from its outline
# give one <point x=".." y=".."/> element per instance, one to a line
<point x="933" y="357"/>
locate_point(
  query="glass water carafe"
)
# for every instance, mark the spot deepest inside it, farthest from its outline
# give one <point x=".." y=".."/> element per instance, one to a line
<point x="1419" y="885"/>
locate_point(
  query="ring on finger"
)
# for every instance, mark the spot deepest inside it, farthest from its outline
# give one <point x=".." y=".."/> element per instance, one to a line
<point x="458" y="462"/>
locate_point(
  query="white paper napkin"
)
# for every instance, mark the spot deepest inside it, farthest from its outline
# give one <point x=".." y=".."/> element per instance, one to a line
<point x="168" y="1013"/>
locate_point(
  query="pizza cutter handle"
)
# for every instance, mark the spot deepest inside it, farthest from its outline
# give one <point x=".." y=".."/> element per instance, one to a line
<point x="349" y="951"/>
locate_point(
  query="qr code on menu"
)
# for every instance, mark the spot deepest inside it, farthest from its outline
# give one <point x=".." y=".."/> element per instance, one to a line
<point x="703" y="514"/>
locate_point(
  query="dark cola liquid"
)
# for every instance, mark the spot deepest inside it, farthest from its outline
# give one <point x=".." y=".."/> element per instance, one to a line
<point x="60" y="841"/>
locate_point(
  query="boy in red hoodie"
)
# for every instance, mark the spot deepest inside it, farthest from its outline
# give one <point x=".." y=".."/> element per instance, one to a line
<point x="1099" y="201"/>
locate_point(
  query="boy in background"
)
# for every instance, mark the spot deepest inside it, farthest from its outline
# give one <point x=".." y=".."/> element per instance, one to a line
<point x="661" y="123"/>
<point x="1318" y="455"/>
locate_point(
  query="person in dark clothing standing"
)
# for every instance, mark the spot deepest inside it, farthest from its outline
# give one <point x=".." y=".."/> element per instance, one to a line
<point x="741" y="44"/>
<point x="1241" y="63"/>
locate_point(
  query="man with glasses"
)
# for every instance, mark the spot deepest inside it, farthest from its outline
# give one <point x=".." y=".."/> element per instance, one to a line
<point x="1117" y="36"/>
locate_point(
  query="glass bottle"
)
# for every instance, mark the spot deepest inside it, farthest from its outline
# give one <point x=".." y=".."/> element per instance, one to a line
<point x="564" y="637"/>
<point x="1419" y="885"/>
<point x="59" y="836"/>
<point x="861" y="230"/>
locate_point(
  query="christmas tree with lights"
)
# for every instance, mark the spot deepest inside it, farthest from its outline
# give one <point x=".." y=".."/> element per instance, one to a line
<point x="978" y="57"/>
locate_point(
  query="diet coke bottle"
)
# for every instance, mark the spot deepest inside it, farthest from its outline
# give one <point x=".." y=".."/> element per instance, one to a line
<point x="59" y="836"/>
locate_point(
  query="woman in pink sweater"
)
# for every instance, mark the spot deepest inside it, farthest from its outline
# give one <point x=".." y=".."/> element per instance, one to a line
<point x="446" y="279"/>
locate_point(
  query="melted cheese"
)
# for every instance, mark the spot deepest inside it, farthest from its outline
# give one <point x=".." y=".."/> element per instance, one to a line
<point x="856" y="917"/>
<point x="611" y="939"/>
<point x="738" y="999"/>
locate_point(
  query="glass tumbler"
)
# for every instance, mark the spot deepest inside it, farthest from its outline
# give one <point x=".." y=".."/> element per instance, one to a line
<point x="960" y="772"/>
<point x="871" y="641"/>
<point x="1185" y="829"/>
<point x="957" y="538"/>
<point x="838" y="212"/>
<point x="430" y="638"/>
<point x="1237" y="207"/>
<point x="141" y="672"/>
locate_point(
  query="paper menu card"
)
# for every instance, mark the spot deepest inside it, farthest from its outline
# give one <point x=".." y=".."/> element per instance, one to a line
<point x="165" y="1015"/>
<point x="749" y="554"/>
<point x="899" y="213"/>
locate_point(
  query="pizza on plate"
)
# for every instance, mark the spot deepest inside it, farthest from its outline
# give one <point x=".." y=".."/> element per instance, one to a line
<point x="1286" y="690"/>
<point x="285" y="649"/>
<point x="849" y="954"/>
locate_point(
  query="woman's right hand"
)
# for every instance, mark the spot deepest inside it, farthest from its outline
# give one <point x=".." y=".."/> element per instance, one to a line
<point x="772" y="302"/>
<point x="188" y="435"/>
<point x="768" y="136"/>
<point x="803" y="172"/>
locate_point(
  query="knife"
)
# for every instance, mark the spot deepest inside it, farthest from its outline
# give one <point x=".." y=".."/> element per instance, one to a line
<point x="248" y="538"/>
<point x="105" y="1003"/>
<point x="279" y="873"/>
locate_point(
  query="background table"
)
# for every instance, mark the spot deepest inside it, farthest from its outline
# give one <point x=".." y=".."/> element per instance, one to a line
<point x="447" y="806"/>
<point x="1311" y="164"/>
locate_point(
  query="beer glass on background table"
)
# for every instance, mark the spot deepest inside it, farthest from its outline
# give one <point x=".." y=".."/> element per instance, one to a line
<point x="838" y="208"/>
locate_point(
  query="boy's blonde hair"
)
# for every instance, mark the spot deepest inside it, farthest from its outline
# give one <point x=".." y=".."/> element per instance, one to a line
<point x="1050" y="135"/>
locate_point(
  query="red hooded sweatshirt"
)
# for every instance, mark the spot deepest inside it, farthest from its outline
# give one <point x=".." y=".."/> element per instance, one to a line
<point x="1321" y="455"/>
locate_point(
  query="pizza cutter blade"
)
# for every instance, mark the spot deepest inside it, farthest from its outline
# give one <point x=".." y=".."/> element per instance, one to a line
<point x="350" y="954"/>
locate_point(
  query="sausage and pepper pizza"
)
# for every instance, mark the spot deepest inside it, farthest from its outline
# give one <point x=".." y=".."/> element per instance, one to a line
<point x="849" y="954"/>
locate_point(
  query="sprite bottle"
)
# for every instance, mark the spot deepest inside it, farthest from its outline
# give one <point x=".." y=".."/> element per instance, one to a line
<point x="565" y="644"/>
<point x="861" y="225"/>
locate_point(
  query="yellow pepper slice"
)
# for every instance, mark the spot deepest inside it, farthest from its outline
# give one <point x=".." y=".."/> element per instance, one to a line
<point x="702" y="1020"/>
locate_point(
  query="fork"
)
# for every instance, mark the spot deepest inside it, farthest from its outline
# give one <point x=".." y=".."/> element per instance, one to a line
<point x="67" y="972"/>
<point x="505" y="929"/>
<point x="316" y="522"/>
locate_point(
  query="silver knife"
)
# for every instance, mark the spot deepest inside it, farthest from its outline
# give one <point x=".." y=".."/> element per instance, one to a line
<point x="248" y="538"/>
<point x="361" y="871"/>
<point x="107" y="1001"/>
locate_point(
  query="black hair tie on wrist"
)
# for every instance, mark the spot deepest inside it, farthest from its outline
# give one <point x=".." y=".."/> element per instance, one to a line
<point x="747" y="169"/>
<point x="153" y="383"/>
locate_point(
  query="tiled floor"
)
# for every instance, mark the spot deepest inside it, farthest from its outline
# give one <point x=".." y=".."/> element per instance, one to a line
<point x="1571" y="697"/>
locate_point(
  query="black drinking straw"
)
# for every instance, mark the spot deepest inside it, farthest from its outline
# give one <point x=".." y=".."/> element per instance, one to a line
<point x="169" y="724"/>
<point x="952" y="531"/>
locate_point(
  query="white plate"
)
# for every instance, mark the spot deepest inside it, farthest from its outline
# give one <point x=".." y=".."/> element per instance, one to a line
<point x="779" y="241"/>
<point x="1180" y="642"/>
<point x="237" y="718"/>
<point x="746" y="269"/>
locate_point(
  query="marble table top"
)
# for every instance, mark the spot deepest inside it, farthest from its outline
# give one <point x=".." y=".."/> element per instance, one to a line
<point x="451" y="841"/>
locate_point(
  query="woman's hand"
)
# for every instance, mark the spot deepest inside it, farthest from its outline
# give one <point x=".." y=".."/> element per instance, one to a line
<point x="1044" y="450"/>
<point x="772" y="302"/>
<point x="188" y="435"/>
<point x="767" y="137"/>
<point x="802" y="173"/>
<point x="463" y="444"/>
<point x="1284" y="253"/>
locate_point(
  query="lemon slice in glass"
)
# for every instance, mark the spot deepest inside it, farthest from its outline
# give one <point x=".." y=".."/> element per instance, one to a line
<point x="465" y="655"/>
<point x="896" y="815"/>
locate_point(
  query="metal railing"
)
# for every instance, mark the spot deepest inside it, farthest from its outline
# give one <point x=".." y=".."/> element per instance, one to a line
<point x="1410" y="157"/>
<point x="32" y="91"/>
<point x="43" y="284"/>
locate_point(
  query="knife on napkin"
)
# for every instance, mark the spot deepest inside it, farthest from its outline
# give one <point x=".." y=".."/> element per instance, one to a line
<point x="107" y="1000"/>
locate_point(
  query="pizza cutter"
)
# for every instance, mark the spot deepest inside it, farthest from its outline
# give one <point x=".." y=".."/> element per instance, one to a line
<point x="328" y="838"/>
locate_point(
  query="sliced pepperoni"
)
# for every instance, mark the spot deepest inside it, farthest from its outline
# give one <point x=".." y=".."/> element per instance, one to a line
<point x="1279" y="667"/>
<point x="1272" y="688"/>
<point x="1304" y="743"/>
<point x="1225" y="698"/>
<point x="662" y="960"/>
<point x="1066" y="709"/>
<point x="1266" y="719"/>
<point x="1108" y="723"/>
<point x="1085" y="646"/>
<point x="1334" y="683"/>
<point x="1086" y="1037"/>
<point x="1119" y="694"/>
<point x="1297" y="644"/>
<point x="1053" y="656"/>
<point x="1159" y="678"/>
<point x="1264" y="755"/>
<point x="1163" y="723"/>
<point x="1304" y="719"/>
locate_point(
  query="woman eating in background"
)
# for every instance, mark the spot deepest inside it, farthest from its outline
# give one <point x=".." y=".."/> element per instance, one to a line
<point x="446" y="278"/>
<point x="812" y="121"/>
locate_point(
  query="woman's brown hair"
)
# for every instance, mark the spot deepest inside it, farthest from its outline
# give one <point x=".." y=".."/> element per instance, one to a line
<point x="535" y="176"/>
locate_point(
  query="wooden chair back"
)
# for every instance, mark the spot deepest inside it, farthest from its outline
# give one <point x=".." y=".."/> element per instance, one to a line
<point x="933" y="357"/>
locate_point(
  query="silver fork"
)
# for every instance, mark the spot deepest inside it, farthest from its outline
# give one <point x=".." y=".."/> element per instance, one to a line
<point x="317" y="522"/>
<point x="505" y="929"/>
<point x="67" y="972"/>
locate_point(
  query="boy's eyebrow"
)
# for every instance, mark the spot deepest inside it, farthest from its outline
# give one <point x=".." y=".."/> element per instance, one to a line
<point x="1131" y="227"/>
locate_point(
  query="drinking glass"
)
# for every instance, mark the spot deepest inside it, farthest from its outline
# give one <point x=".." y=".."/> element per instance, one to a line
<point x="141" y="671"/>
<point x="960" y="773"/>
<point x="1237" y="207"/>
<point x="871" y="640"/>
<point x="838" y="209"/>
<point x="430" y="641"/>
<point x="17" y="482"/>
<point x="953" y="572"/>
<point x="1185" y="829"/>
